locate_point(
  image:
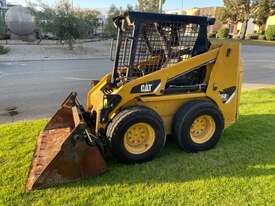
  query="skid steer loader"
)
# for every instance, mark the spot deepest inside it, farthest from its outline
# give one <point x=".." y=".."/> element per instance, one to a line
<point x="167" y="79"/>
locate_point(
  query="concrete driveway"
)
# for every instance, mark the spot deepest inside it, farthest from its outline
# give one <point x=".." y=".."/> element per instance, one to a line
<point x="35" y="89"/>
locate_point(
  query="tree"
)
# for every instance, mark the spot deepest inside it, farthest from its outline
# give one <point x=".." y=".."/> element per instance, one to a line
<point x="150" y="5"/>
<point x="90" y="21"/>
<point x="67" y="23"/>
<point x="113" y="12"/>
<point x="130" y="7"/>
<point x="2" y="25"/>
<point x="224" y="15"/>
<point x="241" y="11"/>
<point x="3" y="50"/>
<point x="109" y="27"/>
<point x="270" y="33"/>
<point x="262" y="12"/>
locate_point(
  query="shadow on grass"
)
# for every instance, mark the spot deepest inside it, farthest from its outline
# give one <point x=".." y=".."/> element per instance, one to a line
<point x="246" y="149"/>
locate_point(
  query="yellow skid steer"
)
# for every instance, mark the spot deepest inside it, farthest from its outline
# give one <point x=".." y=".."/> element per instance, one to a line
<point x="167" y="79"/>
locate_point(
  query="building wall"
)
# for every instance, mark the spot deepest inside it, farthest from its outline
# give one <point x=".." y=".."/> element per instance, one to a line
<point x="251" y="27"/>
<point x="213" y="12"/>
<point x="270" y="21"/>
<point x="179" y="12"/>
<point x="193" y="12"/>
<point x="148" y="5"/>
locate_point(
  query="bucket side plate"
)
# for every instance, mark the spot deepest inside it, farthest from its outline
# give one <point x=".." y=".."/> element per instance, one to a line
<point x="62" y="154"/>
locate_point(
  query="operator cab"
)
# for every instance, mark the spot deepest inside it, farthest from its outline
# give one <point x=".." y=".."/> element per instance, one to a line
<point x="147" y="42"/>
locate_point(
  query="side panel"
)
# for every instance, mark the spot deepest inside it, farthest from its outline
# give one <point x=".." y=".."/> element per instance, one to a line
<point x="225" y="81"/>
<point x="94" y="95"/>
<point x="166" y="106"/>
<point x="95" y="98"/>
<point x="224" y="75"/>
<point x="163" y="75"/>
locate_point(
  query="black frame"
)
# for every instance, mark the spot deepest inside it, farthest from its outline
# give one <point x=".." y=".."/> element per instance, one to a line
<point x="138" y="19"/>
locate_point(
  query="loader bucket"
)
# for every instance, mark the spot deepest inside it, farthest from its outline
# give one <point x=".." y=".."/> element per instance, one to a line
<point x="62" y="154"/>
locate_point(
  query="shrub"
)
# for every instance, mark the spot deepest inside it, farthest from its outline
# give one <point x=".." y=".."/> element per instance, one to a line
<point x="262" y="37"/>
<point x="252" y="36"/>
<point x="4" y="50"/>
<point x="64" y="21"/>
<point x="211" y="35"/>
<point x="223" y="33"/>
<point x="260" y="32"/>
<point x="236" y="36"/>
<point x="270" y="33"/>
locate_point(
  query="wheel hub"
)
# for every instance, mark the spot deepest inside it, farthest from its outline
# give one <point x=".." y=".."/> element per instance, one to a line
<point x="139" y="138"/>
<point x="202" y="129"/>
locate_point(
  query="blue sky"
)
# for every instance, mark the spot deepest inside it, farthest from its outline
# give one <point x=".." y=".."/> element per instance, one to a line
<point x="170" y="4"/>
<point x="103" y="4"/>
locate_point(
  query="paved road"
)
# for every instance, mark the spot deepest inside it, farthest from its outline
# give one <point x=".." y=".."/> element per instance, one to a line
<point x="36" y="88"/>
<point x="259" y="68"/>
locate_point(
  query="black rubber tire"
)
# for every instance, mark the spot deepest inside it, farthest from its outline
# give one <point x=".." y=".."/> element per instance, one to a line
<point x="184" y="118"/>
<point x="126" y="118"/>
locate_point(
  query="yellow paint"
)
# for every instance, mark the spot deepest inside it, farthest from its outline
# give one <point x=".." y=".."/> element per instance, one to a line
<point x="202" y="129"/>
<point x="193" y="12"/>
<point x="95" y="98"/>
<point x="227" y="72"/>
<point x="139" y="138"/>
<point x="224" y="70"/>
<point x="179" y="12"/>
<point x="167" y="105"/>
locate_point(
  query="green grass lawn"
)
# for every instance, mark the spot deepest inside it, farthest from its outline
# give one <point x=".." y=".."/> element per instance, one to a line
<point x="239" y="171"/>
<point x="245" y="42"/>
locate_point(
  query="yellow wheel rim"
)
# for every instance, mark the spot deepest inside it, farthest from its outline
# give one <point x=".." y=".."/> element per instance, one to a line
<point x="139" y="138"/>
<point x="202" y="129"/>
